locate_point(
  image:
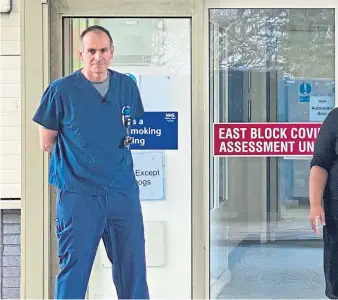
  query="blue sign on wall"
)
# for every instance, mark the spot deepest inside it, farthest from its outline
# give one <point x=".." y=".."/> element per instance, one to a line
<point x="155" y="131"/>
<point x="305" y="91"/>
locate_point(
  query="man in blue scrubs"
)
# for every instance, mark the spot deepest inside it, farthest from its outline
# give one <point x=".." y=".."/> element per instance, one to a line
<point x="83" y="120"/>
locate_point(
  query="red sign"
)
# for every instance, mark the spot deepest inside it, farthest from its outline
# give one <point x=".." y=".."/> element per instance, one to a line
<point x="265" y="139"/>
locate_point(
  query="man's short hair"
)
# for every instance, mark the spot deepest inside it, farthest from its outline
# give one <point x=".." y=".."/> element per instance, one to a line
<point x="96" y="28"/>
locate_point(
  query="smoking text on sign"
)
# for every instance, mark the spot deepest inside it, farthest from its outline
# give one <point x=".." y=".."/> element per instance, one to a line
<point x="265" y="139"/>
<point x="155" y="131"/>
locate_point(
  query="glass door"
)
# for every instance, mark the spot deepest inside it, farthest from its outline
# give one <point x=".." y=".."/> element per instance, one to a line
<point x="156" y="54"/>
<point x="266" y="65"/>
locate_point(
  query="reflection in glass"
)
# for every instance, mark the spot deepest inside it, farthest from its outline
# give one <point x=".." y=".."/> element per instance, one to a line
<point x="261" y="243"/>
<point x="157" y="46"/>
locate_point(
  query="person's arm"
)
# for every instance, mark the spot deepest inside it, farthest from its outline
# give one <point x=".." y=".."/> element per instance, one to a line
<point x="47" y="138"/>
<point x="48" y="116"/>
<point x="318" y="179"/>
<point x="317" y="183"/>
<point x="321" y="163"/>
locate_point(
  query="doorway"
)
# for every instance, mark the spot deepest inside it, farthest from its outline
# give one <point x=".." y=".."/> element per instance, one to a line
<point x="266" y="65"/>
<point x="184" y="209"/>
<point x="156" y="53"/>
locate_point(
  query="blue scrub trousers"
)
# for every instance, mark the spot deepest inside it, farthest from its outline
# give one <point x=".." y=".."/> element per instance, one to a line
<point x="81" y="222"/>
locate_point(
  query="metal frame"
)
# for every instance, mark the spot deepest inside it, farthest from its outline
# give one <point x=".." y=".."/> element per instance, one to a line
<point x="34" y="63"/>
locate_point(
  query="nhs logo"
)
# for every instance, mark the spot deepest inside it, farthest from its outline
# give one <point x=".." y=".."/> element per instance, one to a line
<point x="170" y="116"/>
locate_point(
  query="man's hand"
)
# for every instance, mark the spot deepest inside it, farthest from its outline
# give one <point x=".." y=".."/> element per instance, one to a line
<point x="317" y="213"/>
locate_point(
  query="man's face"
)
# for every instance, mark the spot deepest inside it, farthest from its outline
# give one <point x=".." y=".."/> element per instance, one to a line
<point x="96" y="52"/>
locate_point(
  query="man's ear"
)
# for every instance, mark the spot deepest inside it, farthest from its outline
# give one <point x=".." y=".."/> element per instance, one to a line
<point x="80" y="54"/>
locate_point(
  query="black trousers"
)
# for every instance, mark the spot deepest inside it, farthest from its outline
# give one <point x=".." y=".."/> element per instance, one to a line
<point x="330" y="235"/>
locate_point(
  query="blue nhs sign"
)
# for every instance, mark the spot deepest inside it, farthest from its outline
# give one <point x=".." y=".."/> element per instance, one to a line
<point x="155" y="131"/>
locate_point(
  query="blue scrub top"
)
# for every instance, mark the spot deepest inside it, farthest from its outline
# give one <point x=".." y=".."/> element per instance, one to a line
<point x="87" y="157"/>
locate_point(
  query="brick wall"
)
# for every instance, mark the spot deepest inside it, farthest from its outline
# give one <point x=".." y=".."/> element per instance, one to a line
<point x="10" y="254"/>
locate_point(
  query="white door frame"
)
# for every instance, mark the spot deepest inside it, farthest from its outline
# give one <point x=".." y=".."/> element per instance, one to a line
<point x="41" y="66"/>
<point x="77" y="9"/>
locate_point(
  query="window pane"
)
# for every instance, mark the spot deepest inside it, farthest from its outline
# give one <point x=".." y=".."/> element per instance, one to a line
<point x="267" y="65"/>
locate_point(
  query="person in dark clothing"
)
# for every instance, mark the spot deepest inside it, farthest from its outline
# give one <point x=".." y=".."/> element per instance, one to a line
<point x="323" y="193"/>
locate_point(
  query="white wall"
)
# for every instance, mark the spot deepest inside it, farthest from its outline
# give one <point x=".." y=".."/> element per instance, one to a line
<point x="173" y="280"/>
<point x="10" y="120"/>
<point x="10" y="148"/>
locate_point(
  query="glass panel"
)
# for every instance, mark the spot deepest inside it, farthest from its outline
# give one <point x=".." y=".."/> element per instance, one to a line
<point x="266" y="65"/>
<point x="156" y="52"/>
